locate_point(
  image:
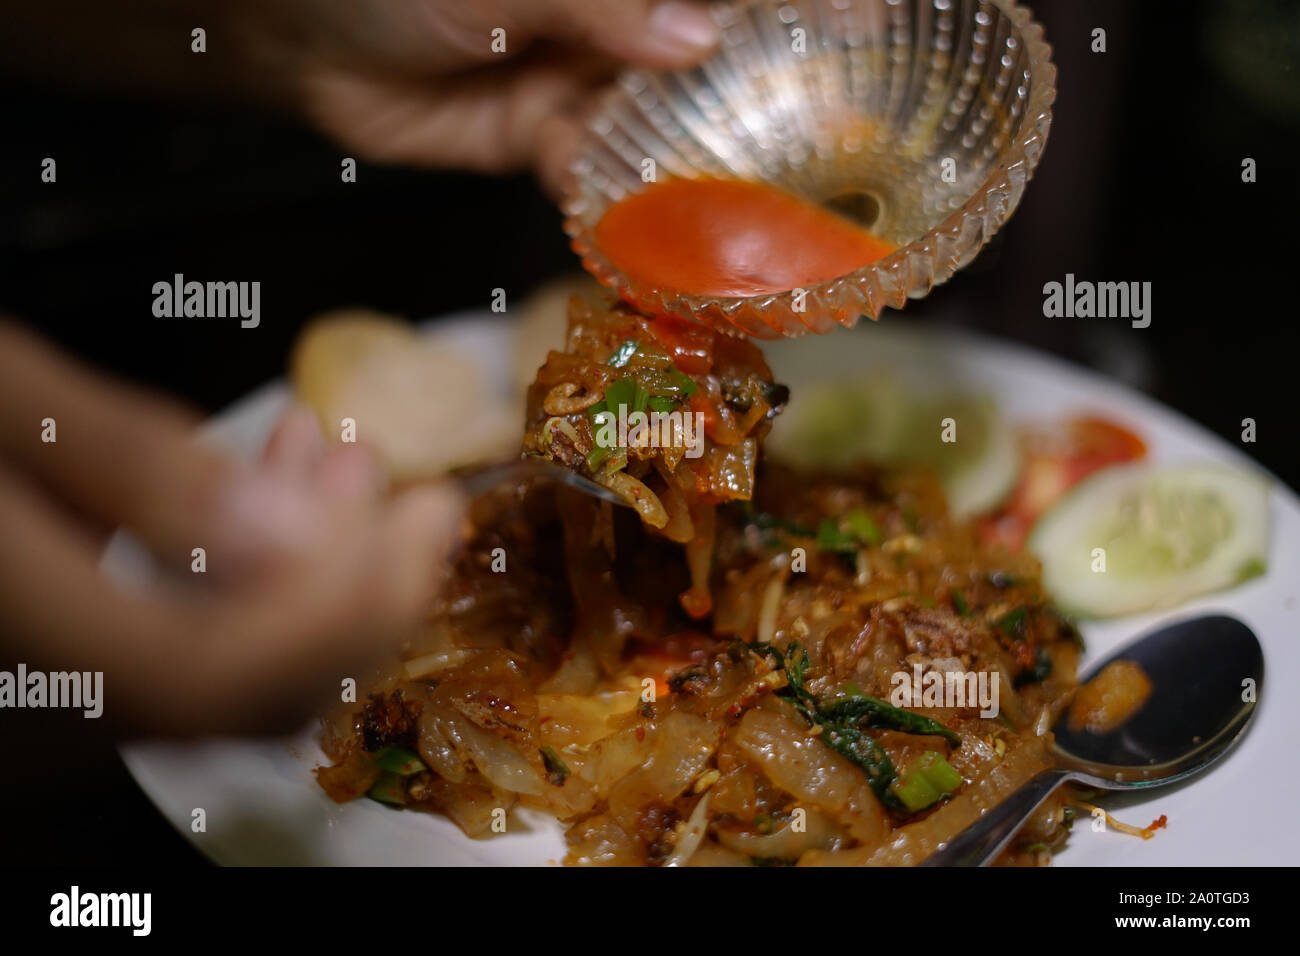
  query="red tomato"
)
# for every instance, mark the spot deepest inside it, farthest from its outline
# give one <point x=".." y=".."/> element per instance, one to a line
<point x="1056" y="459"/>
<point x="689" y="344"/>
<point x="704" y="405"/>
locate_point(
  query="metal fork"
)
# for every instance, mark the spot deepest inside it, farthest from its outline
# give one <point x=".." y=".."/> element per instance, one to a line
<point x="477" y="481"/>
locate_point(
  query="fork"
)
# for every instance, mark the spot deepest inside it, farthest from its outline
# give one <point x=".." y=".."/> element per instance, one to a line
<point x="477" y="481"/>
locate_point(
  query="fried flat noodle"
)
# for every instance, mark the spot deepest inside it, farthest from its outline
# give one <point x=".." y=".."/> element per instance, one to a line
<point x="669" y="415"/>
<point x="578" y="684"/>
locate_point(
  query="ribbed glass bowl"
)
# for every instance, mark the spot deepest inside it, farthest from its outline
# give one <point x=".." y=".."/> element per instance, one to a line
<point x="857" y="104"/>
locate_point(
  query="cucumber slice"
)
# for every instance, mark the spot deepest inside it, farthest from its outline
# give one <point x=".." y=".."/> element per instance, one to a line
<point x="1168" y="534"/>
<point x="980" y="467"/>
<point x="839" y="424"/>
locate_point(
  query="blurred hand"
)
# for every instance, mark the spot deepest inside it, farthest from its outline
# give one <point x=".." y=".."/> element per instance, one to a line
<point x="400" y="81"/>
<point x="417" y="81"/>
<point x="312" y="572"/>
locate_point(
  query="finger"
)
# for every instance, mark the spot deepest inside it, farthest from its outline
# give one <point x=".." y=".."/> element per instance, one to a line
<point x="350" y="472"/>
<point x="62" y="614"/>
<point x="365" y="591"/>
<point x="423" y="528"/>
<point x="128" y="458"/>
<point x="672" y="34"/>
<point x="558" y="139"/>
<point x="254" y="660"/>
<point x="116" y="452"/>
<point x="486" y="121"/>
<point x="296" y="446"/>
<point x="283" y="512"/>
<point x="235" y="659"/>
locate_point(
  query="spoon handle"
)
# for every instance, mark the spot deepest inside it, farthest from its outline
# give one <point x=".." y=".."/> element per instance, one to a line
<point x="980" y="842"/>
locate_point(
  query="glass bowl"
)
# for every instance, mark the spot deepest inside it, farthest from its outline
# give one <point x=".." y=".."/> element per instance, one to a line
<point x="921" y="119"/>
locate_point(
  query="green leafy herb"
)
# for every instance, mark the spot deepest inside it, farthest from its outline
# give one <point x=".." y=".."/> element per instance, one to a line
<point x="684" y="382"/>
<point x="770" y="522"/>
<point x="622" y="354"/>
<point x="841" y="736"/>
<point x="960" y="605"/>
<point x="846" y="536"/>
<point x="1012" y="623"/>
<point x="831" y="538"/>
<point x="626" y="396"/>
<point x="862" y="526"/>
<point x="625" y="393"/>
<point x="842" y="721"/>
<point x="556" y="769"/>
<point x="863" y="750"/>
<point x="879" y="715"/>
<point x="775" y="529"/>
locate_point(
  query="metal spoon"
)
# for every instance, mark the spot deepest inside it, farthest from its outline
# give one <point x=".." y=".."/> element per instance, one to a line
<point x="476" y="481"/>
<point x="1195" y="714"/>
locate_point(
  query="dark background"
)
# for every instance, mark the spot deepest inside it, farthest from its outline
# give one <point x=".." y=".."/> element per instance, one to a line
<point x="1141" y="181"/>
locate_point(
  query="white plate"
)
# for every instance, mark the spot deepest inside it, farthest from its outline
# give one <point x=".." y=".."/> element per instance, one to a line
<point x="262" y="804"/>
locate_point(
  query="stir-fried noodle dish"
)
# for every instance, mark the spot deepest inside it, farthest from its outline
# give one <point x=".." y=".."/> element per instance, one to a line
<point x="751" y="665"/>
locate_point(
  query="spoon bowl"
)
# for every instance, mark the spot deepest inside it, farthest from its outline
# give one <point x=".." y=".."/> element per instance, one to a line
<point x="1195" y="712"/>
<point x="1200" y="669"/>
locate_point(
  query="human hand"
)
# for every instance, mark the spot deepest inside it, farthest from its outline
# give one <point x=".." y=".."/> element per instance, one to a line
<point x="421" y="82"/>
<point x="311" y="571"/>
<point x="400" y="81"/>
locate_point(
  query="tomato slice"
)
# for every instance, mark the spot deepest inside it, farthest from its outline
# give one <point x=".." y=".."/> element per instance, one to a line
<point x="689" y="344"/>
<point x="1057" y="458"/>
<point x="1099" y="441"/>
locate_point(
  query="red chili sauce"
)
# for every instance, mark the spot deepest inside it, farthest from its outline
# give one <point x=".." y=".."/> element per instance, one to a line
<point x="727" y="237"/>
